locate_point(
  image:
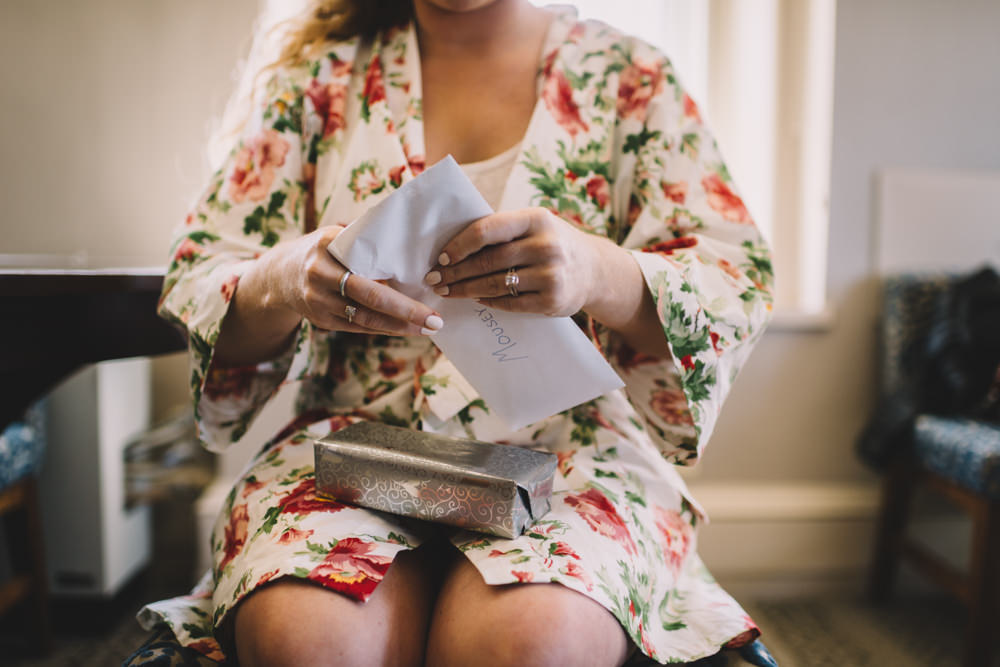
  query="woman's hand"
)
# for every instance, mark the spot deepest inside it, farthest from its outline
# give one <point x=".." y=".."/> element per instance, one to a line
<point x="560" y="270"/>
<point x="555" y="263"/>
<point x="301" y="279"/>
<point x="307" y="280"/>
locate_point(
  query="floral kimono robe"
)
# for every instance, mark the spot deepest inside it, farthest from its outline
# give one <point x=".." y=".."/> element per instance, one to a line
<point x="614" y="146"/>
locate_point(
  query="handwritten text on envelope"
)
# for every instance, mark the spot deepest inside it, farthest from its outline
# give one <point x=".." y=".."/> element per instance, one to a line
<point x="525" y="366"/>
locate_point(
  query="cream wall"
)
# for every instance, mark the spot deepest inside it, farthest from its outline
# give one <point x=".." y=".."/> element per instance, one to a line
<point x="102" y="129"/>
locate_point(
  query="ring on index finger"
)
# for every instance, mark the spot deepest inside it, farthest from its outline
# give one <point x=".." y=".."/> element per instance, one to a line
<point x="343" y="282"/>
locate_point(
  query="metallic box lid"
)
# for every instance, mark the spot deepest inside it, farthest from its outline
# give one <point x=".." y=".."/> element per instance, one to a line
<point x="528" y="472"/>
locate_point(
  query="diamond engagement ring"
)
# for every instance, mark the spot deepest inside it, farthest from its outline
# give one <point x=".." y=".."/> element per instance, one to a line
<point x="511" y="281"/>
<point x="349" y="312"/>
<point x="343" y="282"/>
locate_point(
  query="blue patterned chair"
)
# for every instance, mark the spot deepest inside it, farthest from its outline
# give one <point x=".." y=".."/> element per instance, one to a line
<point x="954" y="456"/>
<point x="21" y="447"/>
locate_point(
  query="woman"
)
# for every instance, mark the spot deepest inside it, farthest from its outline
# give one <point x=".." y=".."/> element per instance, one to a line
<point x="615" y="207"/>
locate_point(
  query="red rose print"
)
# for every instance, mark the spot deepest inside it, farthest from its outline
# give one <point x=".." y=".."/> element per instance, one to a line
<point x="235" y="534"/>
<point x="374" y="90"/>
<point x="745" y="637"/>
<point x="340" y="68"/>
<point x="687" y="361"/>
<point x="229" y="288"/>
<point x="187" y="251"/>
<point x="250" y="486"/>
<point x="691" y="109"/>
<point x="303" y="500"/>
<point x="638" y="83"/>
<point x="730" y="270"/>
<point x="294" y="535"/>
<point x="266" y="577"/>
<point x="602" y="517"/>
<point x="523" y="577"/>
<point x="563" y="549"/>
<point x="671" y="406"/>
<point x="565" y="461"/>
<point x="597" y="189"/>
<point x="350" y="568"/>
<point x="677" y="535"/>
<point x="572" y="569"/>
<point x="210" y="648"/>
<point x="558" y="97"/>
<point x="329" y="101"/>
<point x="668" y="247"/>
<point x="396" y="175"/>
<point x="255" y="164"/>
<point x="571" y="175"/>
<point x="724" y="201"/>
<point x="715" y="342"/>
<point x="675" y="192"/>
<point x="415" y="162"/>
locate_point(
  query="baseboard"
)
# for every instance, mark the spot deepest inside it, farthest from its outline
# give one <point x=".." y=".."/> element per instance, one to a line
<point x="768" y="540"/>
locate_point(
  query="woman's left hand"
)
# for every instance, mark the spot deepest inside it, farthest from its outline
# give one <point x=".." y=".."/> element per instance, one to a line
<point x="555" y="263"/>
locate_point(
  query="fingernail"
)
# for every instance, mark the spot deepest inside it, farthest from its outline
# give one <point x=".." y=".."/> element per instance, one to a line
<point x="433" y="322"/>
<point x="428" y="332"/>
<point x="432" y="278"/>
<point x="441" y="291"/>
<point x="444" y="259"/>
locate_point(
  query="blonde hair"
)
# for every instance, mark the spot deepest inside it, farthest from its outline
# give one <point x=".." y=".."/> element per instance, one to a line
<point x="286" y="37"/>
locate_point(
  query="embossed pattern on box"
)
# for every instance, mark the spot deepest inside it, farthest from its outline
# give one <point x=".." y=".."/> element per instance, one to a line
<point x="497" y="489"/>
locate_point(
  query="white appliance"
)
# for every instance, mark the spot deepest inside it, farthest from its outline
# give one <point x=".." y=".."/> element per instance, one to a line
<point x="93" y="543"/>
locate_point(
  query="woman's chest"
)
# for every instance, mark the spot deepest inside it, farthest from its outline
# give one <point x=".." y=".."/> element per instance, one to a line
<point x="474" y="113"/>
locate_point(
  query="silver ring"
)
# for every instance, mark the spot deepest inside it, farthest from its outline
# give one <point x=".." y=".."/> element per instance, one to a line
<point x="511" y="281"/>
<point x="349" y="312"/>
<point x="343" y="282"/>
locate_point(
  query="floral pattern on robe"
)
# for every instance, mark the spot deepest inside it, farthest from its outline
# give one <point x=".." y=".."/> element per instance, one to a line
<point x="614" y="146"/>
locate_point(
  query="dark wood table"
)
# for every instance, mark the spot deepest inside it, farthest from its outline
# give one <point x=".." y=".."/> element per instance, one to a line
<point x="56" y="320"/>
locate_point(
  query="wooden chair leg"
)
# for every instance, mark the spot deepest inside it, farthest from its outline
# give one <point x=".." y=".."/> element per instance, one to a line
<point x="984" y="586"/>
<point x="897" y="495"/>
<point x="28" y="562"/>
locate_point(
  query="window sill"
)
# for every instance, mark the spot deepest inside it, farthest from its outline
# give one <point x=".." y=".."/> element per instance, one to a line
<point x="800" y="320"/>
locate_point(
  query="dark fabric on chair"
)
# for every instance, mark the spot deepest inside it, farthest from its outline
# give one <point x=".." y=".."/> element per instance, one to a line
<point x="940" y="354"/>
<point x="22" y="445"/>
<point x="966" y="451"/>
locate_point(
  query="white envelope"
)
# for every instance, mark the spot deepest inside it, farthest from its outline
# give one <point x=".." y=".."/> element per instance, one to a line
<point x="525" y="366"/>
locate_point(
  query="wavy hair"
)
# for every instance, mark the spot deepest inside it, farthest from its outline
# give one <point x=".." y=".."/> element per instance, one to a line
<point x="290" y="33"/>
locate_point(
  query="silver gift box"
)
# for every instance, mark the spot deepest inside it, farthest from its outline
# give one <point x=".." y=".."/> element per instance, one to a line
<point x="496" y="489"/>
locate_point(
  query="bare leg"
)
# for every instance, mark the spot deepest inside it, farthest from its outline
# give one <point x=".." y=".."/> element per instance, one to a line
<point x="529" y="625"/>
<point x="293" y="622"/>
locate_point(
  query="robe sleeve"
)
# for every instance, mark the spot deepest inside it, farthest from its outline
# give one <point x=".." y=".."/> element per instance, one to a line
<point x="703" y="259"/>
<point x="254" y="201"/>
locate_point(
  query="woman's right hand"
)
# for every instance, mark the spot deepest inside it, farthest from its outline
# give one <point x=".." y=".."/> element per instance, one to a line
<point x="306" y="279"/>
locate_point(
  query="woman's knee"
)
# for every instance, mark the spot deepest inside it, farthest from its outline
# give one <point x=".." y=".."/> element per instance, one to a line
<point x="523" y="625"/>
<point x="293" y="622"/>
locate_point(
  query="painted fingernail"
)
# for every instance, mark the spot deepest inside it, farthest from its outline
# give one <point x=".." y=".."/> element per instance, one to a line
<point x="444" y="259"/>
<point x="433" y="322"/>
<point x="432" y="278"/>
<point x="441" y="291"/>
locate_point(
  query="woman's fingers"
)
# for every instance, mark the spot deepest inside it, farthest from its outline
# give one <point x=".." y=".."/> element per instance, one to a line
<point x="382" y="308"/>
<point x="491" y="230"/>
<point x="495" y="259"/>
